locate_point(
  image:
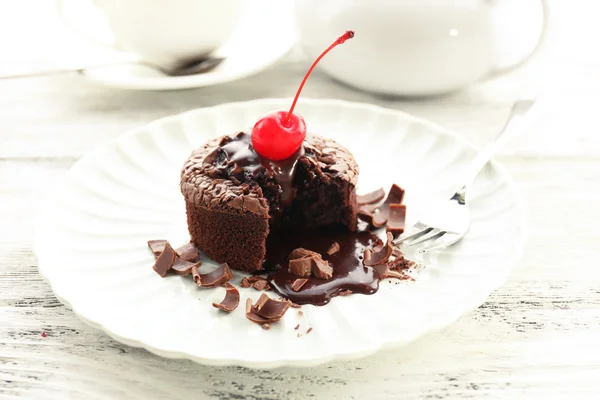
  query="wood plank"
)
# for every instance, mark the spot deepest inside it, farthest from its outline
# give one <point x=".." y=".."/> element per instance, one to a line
<point x="538" y="334"/>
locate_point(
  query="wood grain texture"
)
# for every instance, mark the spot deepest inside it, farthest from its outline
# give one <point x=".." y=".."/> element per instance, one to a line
<point x="536" y="337"/>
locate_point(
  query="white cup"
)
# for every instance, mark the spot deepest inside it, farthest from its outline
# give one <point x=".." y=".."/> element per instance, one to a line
<point x="169" y="32"/>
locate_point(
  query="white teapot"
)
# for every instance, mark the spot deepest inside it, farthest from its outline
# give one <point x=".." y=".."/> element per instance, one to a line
<point x="409" y="47"/>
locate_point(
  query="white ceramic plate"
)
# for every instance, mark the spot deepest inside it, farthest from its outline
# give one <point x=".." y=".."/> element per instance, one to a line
<point x="91" y="242"/>
<point x="265" y="34"/>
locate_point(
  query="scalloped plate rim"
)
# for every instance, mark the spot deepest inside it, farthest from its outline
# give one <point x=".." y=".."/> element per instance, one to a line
<point x="475" y="302"/>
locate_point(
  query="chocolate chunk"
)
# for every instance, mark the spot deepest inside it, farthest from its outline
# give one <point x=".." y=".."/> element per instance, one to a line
<point x="396" y="219"/>
<point x="396" y="195"/>
<point x="231" y="300"/>
<point x="300" y="266"/>
<point x="271" y="309"/>
<point x="334" y="248"/>
<point x="157" y="247"/>
<point x="302" y="253"/>
<point x="298" y="283"/>
<point x="183" y="267"/>
<point x="370" y="198"/>
<point x="261" y="285"/>
<point x="165" y="260"/>
<point x="188" y="252"/>
<point x="214" y="278"/>
<point x="372" y="258"/>
<point x="266" y="310"/>
<point x="321" y="268"/>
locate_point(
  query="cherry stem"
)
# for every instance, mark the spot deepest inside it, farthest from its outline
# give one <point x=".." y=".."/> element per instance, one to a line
<point x="340" y="40"/>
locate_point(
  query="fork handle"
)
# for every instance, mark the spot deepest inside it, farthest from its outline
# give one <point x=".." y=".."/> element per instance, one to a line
<point x="514" y="124"/>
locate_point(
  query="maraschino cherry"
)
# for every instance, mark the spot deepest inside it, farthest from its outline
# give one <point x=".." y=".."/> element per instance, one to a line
<point x="279" y="134"/>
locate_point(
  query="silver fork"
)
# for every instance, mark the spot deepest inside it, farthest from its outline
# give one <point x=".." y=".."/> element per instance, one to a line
<point x="448" y="223"/>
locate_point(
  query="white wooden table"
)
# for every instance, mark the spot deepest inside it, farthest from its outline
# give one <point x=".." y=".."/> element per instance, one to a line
<point x="536" y="337"/>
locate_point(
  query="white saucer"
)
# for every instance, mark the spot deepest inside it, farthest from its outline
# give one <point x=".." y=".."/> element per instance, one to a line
<point x="265" y="34"/>
<point x="91" y="242"/>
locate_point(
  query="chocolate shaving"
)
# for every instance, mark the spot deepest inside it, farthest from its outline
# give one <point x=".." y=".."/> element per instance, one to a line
<point x="302" y="253"/>
<point x="397" y="253"/>
<point x="196" y="275"/>
<point x="256" y="278"/>
<point x="300" y="266"/>
<point x="372" y="258"/>
<point x="321" y="268"/>
<point x="298" y="283"/>
<point x="380" y="218"/>
<point x="266" y="310"/>
<point x="266" y="327"/>
<point x="251" y="280"/>
<point x="308" y="330"/>
<point x="165" y="260"/>
<point x="261" y="285"/>
<point x="366" y="216"/>
<point x="271" y="309"/>
<point x="396" y="195"/>
<point x="245" y="283"/>
<point x="345" y="292"/>
<point x="231" y="300"/>
<point x="214" y="278"/>
<point x="157" y="247"/>
<point x="334" y="248"/>
<point x="396" y="219"/>
<point x="402" y="263"/>
<point x="370" y="198"/>
<point x="397" y="275"/>
<point x="188" y="252"/>
<point x="382" y="270"/>
<point x="378" y="215"/>
<point x="294" y="305"/>
<point x="297" y="326"/>
<point x="183" y="267"/>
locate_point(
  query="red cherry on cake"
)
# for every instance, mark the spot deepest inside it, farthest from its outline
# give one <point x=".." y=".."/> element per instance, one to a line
<point x="277" y="137"/>
<point x="279" y="134"/>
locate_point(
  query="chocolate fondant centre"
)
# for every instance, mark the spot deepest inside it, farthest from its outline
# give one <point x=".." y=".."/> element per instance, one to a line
<point x="349" y="273"/>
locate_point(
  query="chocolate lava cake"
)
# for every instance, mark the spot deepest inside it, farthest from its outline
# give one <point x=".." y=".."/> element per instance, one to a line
<point x="235" y="198"/>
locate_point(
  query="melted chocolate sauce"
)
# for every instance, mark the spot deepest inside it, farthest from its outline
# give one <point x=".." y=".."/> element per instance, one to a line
<point x="240" y="161"/>
<point x="349" y="273"/>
